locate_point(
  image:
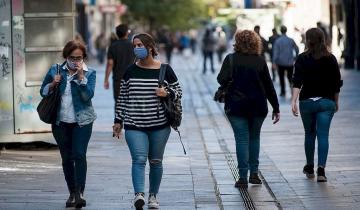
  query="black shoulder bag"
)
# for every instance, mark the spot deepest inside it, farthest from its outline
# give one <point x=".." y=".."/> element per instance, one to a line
<point x="222" y="91"/>
<point x="47" y="108"/>
<point x="173" y="108"/>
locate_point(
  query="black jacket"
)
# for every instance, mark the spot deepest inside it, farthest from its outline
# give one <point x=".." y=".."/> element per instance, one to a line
<point x="250" y="86"/>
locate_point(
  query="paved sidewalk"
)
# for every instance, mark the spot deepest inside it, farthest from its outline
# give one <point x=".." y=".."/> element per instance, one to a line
<point x="204" y="178"/>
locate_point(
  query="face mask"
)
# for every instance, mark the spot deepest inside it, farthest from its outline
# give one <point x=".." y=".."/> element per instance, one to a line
<point x="72" y="65"/>
<point x="140" y="52"/>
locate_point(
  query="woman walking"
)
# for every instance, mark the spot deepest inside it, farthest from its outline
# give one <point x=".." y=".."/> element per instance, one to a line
<point x="317" y="79"/>
<point x="75" y="116"/>
<point x="245" y="76"/>
<point x="146" y="127"/>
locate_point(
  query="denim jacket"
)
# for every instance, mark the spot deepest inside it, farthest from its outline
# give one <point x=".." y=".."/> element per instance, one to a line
<point x="82" y="93"/>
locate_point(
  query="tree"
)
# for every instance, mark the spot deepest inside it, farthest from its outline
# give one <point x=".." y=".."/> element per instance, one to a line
<point x="176" y="14"/>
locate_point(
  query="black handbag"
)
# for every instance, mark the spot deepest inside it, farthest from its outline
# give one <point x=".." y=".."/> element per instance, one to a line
<point x="47" y="108"/>
<point x="221" y="92"/>
<point x="173" y="108"/>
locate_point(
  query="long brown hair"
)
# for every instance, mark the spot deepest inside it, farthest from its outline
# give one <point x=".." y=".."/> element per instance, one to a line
<point x="148" y="42"/>
<point x="247" y="42"/>
<point x="315" y="43"/>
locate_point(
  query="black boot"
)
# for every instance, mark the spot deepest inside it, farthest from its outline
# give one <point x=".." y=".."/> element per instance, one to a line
<point x="79" y="198"/>
<point x="71" y="200"/>
<point x="255" y="179"/>
<point x="242" y="183"/>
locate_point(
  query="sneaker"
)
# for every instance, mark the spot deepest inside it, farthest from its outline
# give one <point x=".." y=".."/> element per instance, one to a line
<point x="309" y="171"/>
<point x="71" y="200"/>
<point x="139" y="201"/>
<point x="152" y="202"/>
<point x="255" y="179"/>
<point x="241" y="183"/>
<point x="321" y="175"/>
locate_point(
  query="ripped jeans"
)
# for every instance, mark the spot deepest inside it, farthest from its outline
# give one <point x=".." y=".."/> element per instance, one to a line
<point x="144" y="145"/>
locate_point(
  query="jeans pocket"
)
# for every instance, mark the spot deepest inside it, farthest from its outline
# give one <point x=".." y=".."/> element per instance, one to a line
<point x="327" y="105"/>
<point x="306" y="105"/>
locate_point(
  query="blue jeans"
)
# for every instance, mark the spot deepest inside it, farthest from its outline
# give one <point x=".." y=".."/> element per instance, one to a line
<point x="73" y="141"/>
<point x="144" y="145"/>
<point x="247" y="138"/>
<point x="316" y="117"/>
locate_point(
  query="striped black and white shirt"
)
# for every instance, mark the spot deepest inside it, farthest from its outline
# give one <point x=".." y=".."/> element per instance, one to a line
<point x="137" y="104"/>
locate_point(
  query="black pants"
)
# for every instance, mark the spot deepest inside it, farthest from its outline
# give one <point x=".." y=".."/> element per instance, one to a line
<point x="73" y="142"/>
<point x="208" y="54"/>
<point x="289" y="73"/>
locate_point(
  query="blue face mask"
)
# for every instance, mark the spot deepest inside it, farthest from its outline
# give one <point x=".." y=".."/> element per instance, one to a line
<point x="140" y="52"/>
<point x="70" y="64"/>
<point x="73" y="65"/>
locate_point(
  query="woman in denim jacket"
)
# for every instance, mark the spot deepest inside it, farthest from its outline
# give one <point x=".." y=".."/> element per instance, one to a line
<point x="75" y="116"/>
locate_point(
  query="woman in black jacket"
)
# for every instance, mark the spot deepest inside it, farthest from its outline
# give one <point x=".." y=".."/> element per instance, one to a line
<point x="246" y="77"/>
<point x="317" y="79"/>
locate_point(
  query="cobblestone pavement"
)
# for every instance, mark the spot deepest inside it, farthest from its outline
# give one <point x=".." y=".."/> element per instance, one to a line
<point x="204" y="178"/>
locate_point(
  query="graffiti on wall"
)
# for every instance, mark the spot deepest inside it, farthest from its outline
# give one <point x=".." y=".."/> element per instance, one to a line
<point x="5" y="111"/>
<point x="4" y="59"/>
<point x="26" y="105"/>
<point x="27" y="101"/>
<point x="4" y="106"/>
<point x="18" y="40"/>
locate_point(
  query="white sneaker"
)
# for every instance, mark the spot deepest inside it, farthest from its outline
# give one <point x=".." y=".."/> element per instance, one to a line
<point x="139" y="201"/>
<point x="152" y="202"/>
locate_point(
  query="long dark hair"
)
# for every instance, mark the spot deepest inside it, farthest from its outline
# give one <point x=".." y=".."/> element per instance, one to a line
<point x="315" y="43"/>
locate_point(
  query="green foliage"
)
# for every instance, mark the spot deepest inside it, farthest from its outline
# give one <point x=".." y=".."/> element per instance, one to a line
<point x="176" y="14"/>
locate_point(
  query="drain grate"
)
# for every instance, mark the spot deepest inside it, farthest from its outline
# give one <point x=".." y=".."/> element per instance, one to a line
<point x="248" y="203"/>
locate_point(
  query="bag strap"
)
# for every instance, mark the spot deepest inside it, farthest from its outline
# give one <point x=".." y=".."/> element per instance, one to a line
<point x="182" y="144"/>
<point x="231" y="57"/>
<point x="162" y="74"/>
<point x="57" y="68"/>
<point x="160" y="83"/>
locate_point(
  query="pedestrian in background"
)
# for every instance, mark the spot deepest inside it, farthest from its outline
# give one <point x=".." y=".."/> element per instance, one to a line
<point x="120" y="55"/>
<point x="146" y="127"/>
<point x="321" y="26"/>
<point x="317" y="79"/>
<point x="166" y="41"/>
<point x="75" y="116"/>
<point x="193" y="40"/>
<point x="246" y="77"/>
<point x="263" y="41"/>
<point x="221" y="43"/>
<point x="272" y="40"/>
<point x="113" y="38"/>
<point x="208" y="48"/>
<point x="100" y="45"/>
<point x="285" y="51"/>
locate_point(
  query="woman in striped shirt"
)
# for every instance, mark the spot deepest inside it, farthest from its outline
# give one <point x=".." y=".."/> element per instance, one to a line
<point x="146" y="126"/>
